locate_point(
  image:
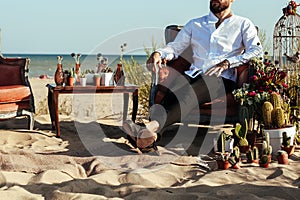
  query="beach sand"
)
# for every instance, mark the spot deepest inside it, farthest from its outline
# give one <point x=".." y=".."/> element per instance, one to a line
<point x="93" y="160"/>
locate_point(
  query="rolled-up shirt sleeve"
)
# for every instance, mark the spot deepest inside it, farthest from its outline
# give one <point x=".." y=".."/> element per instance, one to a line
<point x="253" y="47"/>
<point x="173" y="49"/>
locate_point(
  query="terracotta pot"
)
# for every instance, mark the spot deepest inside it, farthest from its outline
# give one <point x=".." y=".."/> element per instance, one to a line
<point x="71" y="81"/>
<point x="283" y="159"/>
<point x="97" y="81"/>
<point x="223" y="164"/>
<point x="290" y="150"/>
<point x="264" y="165"/>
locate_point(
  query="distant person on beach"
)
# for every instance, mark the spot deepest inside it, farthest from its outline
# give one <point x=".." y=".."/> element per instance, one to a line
<point x="220" y="41"/>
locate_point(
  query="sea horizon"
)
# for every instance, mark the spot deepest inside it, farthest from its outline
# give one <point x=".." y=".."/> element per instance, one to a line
<point x="46" y="64"/>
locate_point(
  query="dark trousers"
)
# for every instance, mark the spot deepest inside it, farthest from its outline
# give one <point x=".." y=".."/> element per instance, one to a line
<point x="185" y="94"/>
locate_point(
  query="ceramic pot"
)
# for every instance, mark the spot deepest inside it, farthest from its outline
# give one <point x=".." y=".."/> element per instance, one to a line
<point x="71" y="81"/>
<point x="283" y="159"/>
<point x="276" y="136"/>
<point x="97" y="81"/>
<point x="223" y="164"/>
<point x="83" y="81"/>
<point x="107" y="79"/>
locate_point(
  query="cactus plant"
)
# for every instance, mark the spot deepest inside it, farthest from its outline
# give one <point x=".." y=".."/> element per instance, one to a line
<point x="252" y="154"/>
<point x="285" y="140"/>
<point x="236" y="153"/>
<point x="241" y="133"/>
<point x="266" y="147"/>
<point x="275" y="100"/>
<point x="278" y="117"/>
<point x="264" y="161"/>
<point x="267" y="113"/>
<point x="255" y="153"/>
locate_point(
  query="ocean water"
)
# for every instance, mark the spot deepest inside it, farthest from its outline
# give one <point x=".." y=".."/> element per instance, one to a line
<point x="46" y="63"/>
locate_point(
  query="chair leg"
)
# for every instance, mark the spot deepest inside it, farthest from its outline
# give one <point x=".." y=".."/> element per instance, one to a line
<point x="30" y="116"/>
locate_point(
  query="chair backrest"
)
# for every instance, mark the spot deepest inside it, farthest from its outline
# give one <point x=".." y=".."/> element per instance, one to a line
<point x="13" y="71"/>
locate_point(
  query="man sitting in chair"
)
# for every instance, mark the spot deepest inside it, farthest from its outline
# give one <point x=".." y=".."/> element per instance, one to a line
<point x="220" y="41"/>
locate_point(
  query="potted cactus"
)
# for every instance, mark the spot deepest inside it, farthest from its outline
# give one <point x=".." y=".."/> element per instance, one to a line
<point x="97" y="79"/>
<point x="82" y="79"/>
<point x="253" y="155"/>
<point x="234" y="158"/>
<point x="222" y="161"/>
<point x="286" y="144"/>
<point x="282" y="157"/>
<point x="264" y="161"/>
<point x="266" y="147"/>
<point x="240" y="133"/>
<point x="276" y="120"/>
<point x="71" y="78"/>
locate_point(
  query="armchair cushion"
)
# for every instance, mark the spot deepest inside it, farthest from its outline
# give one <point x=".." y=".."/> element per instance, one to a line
<point x="14" y="93"/>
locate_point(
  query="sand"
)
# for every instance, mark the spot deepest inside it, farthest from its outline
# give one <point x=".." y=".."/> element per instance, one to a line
<point x="93" y="160"/>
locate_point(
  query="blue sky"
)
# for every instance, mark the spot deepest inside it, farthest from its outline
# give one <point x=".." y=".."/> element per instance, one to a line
<point x="64" y="26"/>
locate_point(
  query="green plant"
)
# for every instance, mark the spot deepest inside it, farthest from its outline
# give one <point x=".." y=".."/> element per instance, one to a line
<point x="275" y="113"/>
<point x="138" y="75"/>
<point x="236" y="153"/>
<point x="96" y="75"/>
<point x="82" y="75"/>
<point x="264" y="159"/>
<point x="285" y="140"/>
<point x="297" y="137"/>
<point x="266" y="147"/>
<point x="252" y="154"/>
<point x="241" y="132"/>
<point x="71" y="73"/>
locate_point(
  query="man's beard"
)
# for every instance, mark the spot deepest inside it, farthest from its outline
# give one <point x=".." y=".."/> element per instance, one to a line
<point x="217" y="8"/>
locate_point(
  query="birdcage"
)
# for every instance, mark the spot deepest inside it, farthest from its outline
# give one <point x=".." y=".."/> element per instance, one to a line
<point x="286" y="38"/>
<point x="286" y="50"/>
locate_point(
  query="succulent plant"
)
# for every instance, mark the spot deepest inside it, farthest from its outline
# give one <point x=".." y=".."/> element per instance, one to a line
<point x="266" y="147"/>
<point x="285" y="140"/>
<point x="241" y="132"/>
<point x="278" y="117"/>
<point x="264" y="159"/>
<point x="275" y="100"/>
<point x="236" y="153"/>
<point x="274" y="116"/>
<point x="267" y="113"/>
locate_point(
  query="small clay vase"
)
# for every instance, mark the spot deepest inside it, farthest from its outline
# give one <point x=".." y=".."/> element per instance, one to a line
<point x="59" y="75"/>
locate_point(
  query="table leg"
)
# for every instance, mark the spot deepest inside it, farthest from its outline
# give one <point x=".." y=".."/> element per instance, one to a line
<point x="135" y="100"/>
<point x="57" y="125"/>
<point x="125" y="106"/>
<point x="51" y="108"/>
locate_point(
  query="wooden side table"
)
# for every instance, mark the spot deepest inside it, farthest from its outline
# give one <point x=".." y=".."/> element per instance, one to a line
<point x="54" y="91"/>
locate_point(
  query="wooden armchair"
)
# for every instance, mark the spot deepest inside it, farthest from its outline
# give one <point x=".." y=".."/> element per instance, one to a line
<point x="16" y="98"/>
<point x="221" y="110"/>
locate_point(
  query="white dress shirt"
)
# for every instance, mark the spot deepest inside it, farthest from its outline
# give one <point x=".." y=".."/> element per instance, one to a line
<point x="235" y="39"/>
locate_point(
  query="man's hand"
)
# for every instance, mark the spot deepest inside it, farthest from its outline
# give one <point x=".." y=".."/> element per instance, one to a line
<point x="218" y="68"/>
<point x="155" y="59"/>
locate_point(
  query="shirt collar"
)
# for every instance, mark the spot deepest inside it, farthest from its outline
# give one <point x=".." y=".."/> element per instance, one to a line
<point x="211" y="18"/>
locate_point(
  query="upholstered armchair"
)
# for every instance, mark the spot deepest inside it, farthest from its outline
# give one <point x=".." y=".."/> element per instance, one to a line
<point x="16" y="98"/>
<point x="222" y="110"/>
